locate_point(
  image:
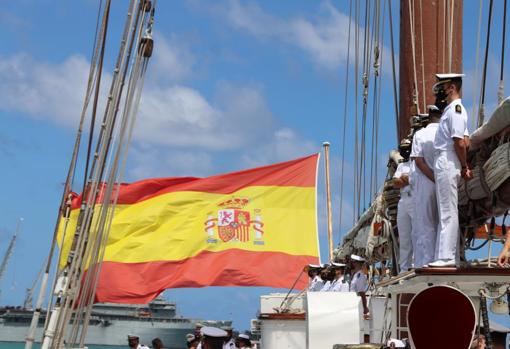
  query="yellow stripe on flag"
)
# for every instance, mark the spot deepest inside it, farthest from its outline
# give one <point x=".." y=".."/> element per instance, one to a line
<point x="172" y="226"/>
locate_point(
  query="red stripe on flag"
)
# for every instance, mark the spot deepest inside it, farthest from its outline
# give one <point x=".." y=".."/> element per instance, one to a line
<point x="142" y="282"/>
<point x="298" y="173"/>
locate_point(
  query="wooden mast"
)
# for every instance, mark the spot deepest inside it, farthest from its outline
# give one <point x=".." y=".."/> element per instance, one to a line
<point x="431" y="21"/>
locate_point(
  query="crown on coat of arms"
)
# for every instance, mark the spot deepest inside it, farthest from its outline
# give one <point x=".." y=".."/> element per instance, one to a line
<point x="234" y="203"/>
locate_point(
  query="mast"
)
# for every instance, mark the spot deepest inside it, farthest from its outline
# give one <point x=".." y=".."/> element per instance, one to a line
<point x="328" y="200"/>
<point x="8" y="253"/>
<point x="430" y="43"/>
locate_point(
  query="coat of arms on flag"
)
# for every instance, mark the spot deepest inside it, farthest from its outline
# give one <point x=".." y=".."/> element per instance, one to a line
<point x="234" y="223"/>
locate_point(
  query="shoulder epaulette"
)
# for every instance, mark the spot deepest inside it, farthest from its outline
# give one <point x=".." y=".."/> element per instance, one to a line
<point x="458" y="108"/>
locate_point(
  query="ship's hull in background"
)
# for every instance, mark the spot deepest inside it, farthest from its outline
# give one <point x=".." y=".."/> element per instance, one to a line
<point x="172" y="334"/>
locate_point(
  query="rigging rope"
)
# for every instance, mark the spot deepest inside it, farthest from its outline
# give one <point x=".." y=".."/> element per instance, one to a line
<point x="346" y="93"/>
<point x="413" y="50"/>
<point x="67" y="188"/>
<point x="375" y="110"/>
<point x="90" y="236"/>
<point x="95" y="251"/>
<point x="422" y="59"/>
<point x="481" y="111"/>
<point x="365" y="81"/>
<point x="356" y="69"/>
<point x="450" y="37"/>
<point x="378" y="109"/>
<point x="477" y="55"/>
<point x="501" y="89"/>
<point x="393" y="70"/>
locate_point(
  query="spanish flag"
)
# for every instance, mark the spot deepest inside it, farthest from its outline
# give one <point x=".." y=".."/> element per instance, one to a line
<point x="254" y="227"/>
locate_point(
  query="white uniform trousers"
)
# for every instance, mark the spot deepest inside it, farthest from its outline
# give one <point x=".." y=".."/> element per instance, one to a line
<point x="447" y="174"/>
<point x="425" y="220"/>
<point x="405" y="211"/>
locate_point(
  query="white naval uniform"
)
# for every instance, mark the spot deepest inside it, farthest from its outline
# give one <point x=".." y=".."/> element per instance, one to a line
<point x="326" y="286"/>
<point x="359" y="282"/>
<point x="141" y="346"/>
<point x="405" y="211"/>
<point x="316" y="284"/>
<point x="339" y="286"/>
<point x="230" y="344"/>
<point x="425" y="217"/>
<point x="447" y="168"/>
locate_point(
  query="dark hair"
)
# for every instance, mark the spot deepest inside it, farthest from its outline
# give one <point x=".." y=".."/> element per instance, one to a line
<point x="213" y="342"/>
<point x="457" y="83"/>
<point x="157" y="343"/>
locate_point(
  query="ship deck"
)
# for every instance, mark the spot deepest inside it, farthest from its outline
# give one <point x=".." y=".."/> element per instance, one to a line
<point x="470" y="280"/>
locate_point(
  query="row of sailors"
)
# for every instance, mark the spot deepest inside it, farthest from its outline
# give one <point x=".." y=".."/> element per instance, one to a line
<point x="333" y="278"/>
<point x="427" y="216"/>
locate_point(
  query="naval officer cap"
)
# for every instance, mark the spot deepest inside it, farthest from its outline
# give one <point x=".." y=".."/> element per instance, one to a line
<point x="214" y="332"/>
<point x="357" y="258"/>
<point x="449" y="76"/>
<point x="315" y="266"/>
<point x="397" y="342"/>
<point x="133" y="336"/>
<point x="335" y="265"/>
<point x="444" y="78"/>
<point x="190" y="337"/>
<point x="244" y="336"/>
<point x="227" y="328"/>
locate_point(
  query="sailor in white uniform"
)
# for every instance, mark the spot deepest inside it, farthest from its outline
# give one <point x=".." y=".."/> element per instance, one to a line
<point x="405" y="209"/>
<point x="134" y="342"/>
<point x="243" y="341"/>
<point x="315" y="283"/>
<point x="359" y="281"/>
<point x="212" y="337"/>
<point x="339" y="284"/>
<point x="450" y="163"/>
<point x="425" y="217"/>
<point x="327" y="276"/>
<point x="229" y="340"/>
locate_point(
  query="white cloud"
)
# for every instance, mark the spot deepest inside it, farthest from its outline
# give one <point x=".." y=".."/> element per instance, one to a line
<point x="324" y="38"/>
<point x="43" y="91"/>
<point x="283" y="144"/>
<point x="181" y="116"/>
<point x="173" y="115"/>
<point x="150" y="162"/>
<point x="172" y="60"/>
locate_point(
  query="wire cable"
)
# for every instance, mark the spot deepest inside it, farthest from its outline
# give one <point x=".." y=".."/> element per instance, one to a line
<point x="481" y="111"/>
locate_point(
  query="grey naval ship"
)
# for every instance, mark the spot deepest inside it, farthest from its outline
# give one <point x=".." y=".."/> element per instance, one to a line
<point x="110" y="323"/>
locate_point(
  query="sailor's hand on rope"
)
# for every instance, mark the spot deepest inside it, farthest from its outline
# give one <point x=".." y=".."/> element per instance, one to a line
<point x="366" y="315"/>
<point x="503" y="258"/>
<point x="466" y="173"/>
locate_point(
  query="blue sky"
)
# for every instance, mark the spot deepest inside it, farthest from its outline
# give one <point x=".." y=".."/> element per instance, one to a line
<point x="232" y="84"/>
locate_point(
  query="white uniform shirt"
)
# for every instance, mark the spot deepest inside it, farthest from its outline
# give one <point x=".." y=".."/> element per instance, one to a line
<point x="141" y="346"/>
<point x="453" y="124"/>
<point x="316" y="285"/>
<point x="423" y="144"/>
<point x="339" y="286"/>
<point x="230" y="344"/>
<point x="326" y="286"/>
<point x="403" y="168"/>
<point x="359" y="282"/>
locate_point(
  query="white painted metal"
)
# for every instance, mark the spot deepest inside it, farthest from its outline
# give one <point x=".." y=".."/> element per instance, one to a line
<point x="332" y="318"/>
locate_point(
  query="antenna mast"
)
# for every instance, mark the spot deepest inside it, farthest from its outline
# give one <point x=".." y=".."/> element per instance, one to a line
<point x="8" y="253"/>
